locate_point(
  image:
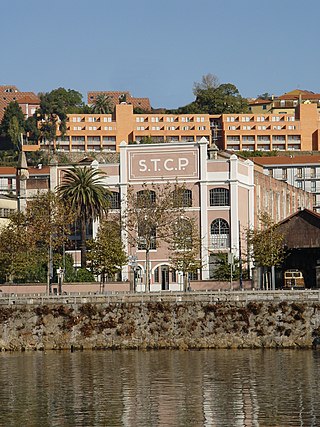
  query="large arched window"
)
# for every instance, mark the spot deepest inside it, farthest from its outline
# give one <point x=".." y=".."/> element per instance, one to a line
<point x="182" y="197"/>
<point x="146" y="198"/>
<point x="219" y="197"/>
<point x="220" y="234"/>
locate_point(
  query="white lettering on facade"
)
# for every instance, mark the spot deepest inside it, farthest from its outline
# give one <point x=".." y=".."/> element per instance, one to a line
<point x="182" y="163"/>
<point x="165" y="165"/>
<point x="156" y="165"/>
<point x="143" y="166"/>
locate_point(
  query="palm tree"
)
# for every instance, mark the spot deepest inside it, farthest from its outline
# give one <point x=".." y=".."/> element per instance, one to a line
<point x="88" y="198"/>
<point x="102" y="104"/>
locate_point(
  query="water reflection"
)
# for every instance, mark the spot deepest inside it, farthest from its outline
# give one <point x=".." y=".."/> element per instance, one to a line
<point x="161" y="388"/>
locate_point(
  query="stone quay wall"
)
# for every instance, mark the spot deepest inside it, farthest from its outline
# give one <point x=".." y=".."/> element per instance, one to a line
<point x="279" y="319"/>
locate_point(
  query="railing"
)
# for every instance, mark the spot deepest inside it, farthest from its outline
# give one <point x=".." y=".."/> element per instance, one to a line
<point x="166" y="296"/>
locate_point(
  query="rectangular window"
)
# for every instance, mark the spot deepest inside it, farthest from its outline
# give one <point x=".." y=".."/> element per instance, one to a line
<point x="284" y="173"/>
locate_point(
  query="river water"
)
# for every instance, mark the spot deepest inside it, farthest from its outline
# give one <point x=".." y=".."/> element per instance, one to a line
<point x="161" y="388"/>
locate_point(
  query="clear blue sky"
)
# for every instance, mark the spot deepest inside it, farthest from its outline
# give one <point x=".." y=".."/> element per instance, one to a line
<point x="158" y="49"/>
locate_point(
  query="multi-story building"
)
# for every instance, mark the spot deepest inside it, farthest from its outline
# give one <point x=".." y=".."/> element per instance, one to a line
<point x="300" y="171"/>
<point x="105" y="132"/>
<point x="284" y="104"/>
<point x="267" y="132"/>
<point x="221" y="197"/>
<point x="28" y="101"/>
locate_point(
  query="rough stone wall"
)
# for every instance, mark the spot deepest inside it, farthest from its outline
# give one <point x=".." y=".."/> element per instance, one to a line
<point x="156" y="325"/>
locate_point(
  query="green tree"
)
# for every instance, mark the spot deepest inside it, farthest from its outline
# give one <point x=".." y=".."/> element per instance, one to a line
<point x="13" y="124"/>
<point x="267" y="96"/>
<point x="13" y="110"/>
<point x="107" y="255"/>
<point x="185" y="247"/>
<point x="48" y="222"/>
<point x="52" y="114"/>
<point x="102" y="104"/>
<point x="222" y="268"/>
<point x="215" y="98"/>
<point x="17" y="251"/>
<point x="265" y="246"/>
<point x="82" y="188"/>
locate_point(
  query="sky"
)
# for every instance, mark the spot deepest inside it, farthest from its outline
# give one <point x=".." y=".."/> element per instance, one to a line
<point x="158" y="49"/>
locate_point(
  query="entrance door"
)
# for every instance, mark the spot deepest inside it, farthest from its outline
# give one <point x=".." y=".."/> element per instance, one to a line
<point x="164" y="277"/>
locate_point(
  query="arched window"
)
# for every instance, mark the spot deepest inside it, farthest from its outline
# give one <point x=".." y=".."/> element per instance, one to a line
<point x="182" y="197"/>
<point x="219" y="197"/>
<point x="220" y="234"/>
<point x="146" y="198"/>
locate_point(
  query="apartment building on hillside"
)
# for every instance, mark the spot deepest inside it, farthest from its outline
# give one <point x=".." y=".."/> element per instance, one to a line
<point x="284" y="104"/>
<point x="28" y="101"/>
<point x="105" y="132"/>
<point x="267" y="132"/>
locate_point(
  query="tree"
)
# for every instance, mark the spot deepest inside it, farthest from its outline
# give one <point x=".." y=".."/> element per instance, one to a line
<point x="13" y="123"/>
<point x="52" y="114"/>
<point x="48" y="222"/>
<point x="16" y="249"/>
<point x="185" y="247"/>
<point x="102" y="104"/>
<point x="148" y="218"/>
<point x="88" y="198"/>
<point x="107" y="254"/>
<point x="208" y="81"/>
<point x="266" y="246"/>
<point x="214" y="98"/>
<point x="27" y="242"/>
<point x="267" y="96"/>
<point x="222" y="268"/>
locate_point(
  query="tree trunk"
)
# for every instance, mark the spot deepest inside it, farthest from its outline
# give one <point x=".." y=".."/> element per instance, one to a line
<point x="83" y="247"/>
<point x="147" y="286"/>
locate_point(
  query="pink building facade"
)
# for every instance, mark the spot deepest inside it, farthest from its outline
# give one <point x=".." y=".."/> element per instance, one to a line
<point x="222" y="202"/>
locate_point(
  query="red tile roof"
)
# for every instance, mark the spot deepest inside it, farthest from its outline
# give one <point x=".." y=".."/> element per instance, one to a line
<point x="114" y="96"/>
<point x="12" y="93"/>
<point x="286" y="160"/>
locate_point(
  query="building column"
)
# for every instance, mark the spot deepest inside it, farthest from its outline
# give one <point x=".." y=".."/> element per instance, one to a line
<point x="234" y="206"/>
<point x="203" y="147"/>
<point x="123" y="201"/>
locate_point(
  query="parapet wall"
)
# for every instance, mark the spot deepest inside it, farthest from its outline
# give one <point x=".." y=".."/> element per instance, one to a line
<point x="217" y="320"/>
